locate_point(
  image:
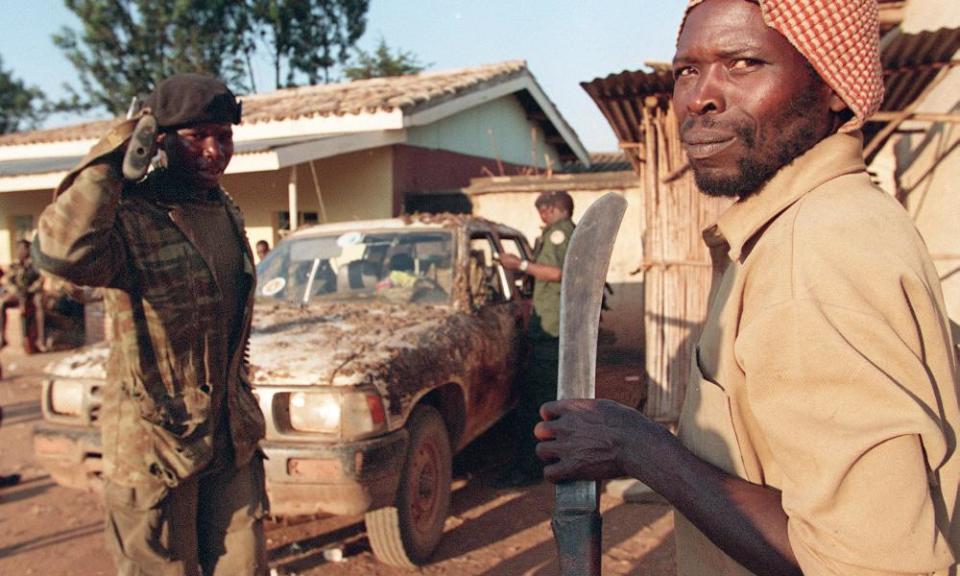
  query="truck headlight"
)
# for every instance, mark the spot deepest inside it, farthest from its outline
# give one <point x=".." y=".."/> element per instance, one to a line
<point x="66" y="397"/>
<point x="347" y="413"/>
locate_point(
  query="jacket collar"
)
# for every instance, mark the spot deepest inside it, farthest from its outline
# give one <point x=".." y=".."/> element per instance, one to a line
<point x="163" y="186"/>
<point x="830" y="158"/>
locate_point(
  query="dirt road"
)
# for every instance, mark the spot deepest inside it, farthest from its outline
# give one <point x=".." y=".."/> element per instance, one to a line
<point x="50" y="530"/>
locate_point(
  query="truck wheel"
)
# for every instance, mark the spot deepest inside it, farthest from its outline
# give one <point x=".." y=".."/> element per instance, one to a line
<point x="407" y="533"/>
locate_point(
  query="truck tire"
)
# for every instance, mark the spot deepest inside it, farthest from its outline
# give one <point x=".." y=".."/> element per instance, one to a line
<point x="407" y="533"/>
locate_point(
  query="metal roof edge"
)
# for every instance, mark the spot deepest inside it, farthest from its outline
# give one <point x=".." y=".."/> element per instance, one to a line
<point x="587" y="181"/>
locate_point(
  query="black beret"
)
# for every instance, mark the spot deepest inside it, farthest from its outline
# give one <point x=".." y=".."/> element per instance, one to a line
<point x="186" y="99"/>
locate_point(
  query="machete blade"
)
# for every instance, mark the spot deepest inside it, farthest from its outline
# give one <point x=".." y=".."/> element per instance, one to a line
<point x="581" y="294"/>
<point x="576" y="518"/>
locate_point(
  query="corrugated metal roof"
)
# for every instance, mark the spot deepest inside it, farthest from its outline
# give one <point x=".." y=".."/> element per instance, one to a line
<point x="621" y="98"/>
<point x="910" y="61"/>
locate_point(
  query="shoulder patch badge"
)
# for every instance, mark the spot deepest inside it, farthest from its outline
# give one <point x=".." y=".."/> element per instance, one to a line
<point x="557" y="237"/>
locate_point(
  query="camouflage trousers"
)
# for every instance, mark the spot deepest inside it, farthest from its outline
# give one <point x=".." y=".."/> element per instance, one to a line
<point x="211" y="525"/>
<point x="538" y="385"/>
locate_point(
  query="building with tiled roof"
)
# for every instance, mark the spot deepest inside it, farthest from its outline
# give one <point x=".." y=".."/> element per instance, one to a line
<point x="364" y="149"/>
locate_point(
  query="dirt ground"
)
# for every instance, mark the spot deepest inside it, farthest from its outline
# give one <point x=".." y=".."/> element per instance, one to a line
<point x="50" y="530"/>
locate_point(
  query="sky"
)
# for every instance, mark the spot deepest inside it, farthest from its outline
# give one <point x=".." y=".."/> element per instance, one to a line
<point x="564" y="42"/>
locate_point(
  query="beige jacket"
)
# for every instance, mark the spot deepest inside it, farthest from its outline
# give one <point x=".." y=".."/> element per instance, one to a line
<point x="825" y="370"/>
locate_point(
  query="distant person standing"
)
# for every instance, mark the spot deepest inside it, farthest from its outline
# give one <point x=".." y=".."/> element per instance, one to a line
<point x="185" y="487"/>
<point x="22" y="283"/>
<point x="539" y="379"/>
<point x="262" y="250"/>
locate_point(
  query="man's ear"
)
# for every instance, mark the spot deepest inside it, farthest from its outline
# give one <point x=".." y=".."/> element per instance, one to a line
<point x="836" y="103"/>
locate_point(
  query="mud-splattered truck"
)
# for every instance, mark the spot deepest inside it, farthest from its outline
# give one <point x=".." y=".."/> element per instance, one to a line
<point x="379" y="350"/>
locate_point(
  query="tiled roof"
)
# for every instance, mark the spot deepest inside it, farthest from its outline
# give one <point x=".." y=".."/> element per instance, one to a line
<point x="407" y="93"/>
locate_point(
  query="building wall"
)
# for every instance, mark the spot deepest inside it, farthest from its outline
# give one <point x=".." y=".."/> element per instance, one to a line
<point x="424" y="170"/>
<point x="511" y="201"/>
<point x="15" y="206"/>
<point x="921" y="164"/>
<point x="444" y="156"/>
<point x="353" y="186"/>
<point x="499" y="129"/>
<point x="930" y="15"/>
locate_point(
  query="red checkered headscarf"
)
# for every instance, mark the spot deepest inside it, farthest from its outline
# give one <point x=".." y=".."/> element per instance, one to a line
<point x="840" y="39"/>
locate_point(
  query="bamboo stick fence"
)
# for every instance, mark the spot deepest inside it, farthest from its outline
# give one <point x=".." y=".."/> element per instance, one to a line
<point x="677" y="269"/>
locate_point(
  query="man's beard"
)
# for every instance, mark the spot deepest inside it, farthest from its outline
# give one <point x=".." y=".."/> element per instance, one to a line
<point x="792" y="134"/>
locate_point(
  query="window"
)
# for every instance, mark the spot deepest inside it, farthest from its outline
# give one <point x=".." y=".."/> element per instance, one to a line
<point x="518" y="247"/>
<point x="486" y="276"/>
<point x="406" y="266"/>
<point x="437" y="202"/>
<point x="303" y="219"/>
<point x="22" y="227"/>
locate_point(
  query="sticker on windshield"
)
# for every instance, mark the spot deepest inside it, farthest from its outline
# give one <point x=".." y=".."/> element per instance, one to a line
<point x="349" y="239"/>
<point x="273" y="286"/>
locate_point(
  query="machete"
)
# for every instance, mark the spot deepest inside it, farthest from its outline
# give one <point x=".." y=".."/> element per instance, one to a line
<point x="576" y="514"/>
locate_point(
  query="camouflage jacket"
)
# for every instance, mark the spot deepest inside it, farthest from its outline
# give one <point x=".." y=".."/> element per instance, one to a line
<point x="162" y="299"/>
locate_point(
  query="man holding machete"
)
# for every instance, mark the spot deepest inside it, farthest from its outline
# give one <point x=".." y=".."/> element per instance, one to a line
<point x="819" y="430"/>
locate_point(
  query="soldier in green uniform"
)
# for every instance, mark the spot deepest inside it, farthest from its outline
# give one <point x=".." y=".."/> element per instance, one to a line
<point x="540" y="374"/>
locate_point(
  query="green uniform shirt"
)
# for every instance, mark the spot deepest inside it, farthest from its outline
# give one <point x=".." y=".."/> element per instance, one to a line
<point x="550" y="250"/>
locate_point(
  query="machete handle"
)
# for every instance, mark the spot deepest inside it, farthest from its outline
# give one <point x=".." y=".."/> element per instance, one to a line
<point x="577" y="534"/>
<point x="142" y="147"/>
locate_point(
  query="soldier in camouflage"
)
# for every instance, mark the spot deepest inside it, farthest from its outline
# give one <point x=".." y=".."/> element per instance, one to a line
<point x="540" y="375"/>
<point x="180" y="425"/>
<point x="21" y="288"/>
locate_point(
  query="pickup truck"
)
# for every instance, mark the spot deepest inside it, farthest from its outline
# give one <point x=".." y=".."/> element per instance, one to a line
<point x="379" y="350"/>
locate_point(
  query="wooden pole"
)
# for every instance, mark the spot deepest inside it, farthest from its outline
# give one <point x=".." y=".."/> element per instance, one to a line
<point x="292" y="198"/>
<point x="890" y="128"/>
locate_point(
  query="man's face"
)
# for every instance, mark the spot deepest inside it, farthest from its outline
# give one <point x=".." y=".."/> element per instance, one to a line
<point x="550" y="214"/>
<point x="199" y="153"/>
<point x="262" y="250"/>
<point x="748" y="103"/>
<point x="23" y="251"/>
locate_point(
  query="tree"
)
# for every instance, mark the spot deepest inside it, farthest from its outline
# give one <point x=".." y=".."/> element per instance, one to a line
<point x="21" y="106"/>
<point x="310" y="36"/>
<point x="125" y="46"/>
<point x="383" y="63"/>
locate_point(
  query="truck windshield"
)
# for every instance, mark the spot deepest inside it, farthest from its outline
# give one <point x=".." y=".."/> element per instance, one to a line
<point x="410" y="266"/>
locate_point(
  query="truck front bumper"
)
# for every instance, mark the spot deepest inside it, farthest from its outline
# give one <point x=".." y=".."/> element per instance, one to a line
<point x="342" y="479"/>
